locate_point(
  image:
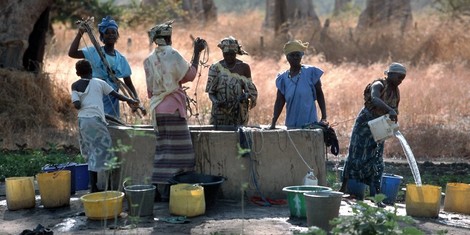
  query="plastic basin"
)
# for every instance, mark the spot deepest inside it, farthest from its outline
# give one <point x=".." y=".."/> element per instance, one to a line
<point x="102" y="205"/>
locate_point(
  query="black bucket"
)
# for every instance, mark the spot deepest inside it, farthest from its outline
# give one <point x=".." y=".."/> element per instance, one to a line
<point x="210" y="183"/>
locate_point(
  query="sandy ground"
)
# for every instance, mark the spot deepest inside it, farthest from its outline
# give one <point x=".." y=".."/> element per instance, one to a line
<point x="225" y="217"/>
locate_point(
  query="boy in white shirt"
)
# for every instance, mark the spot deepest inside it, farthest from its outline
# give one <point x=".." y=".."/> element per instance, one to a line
<point x="95" y="140"/>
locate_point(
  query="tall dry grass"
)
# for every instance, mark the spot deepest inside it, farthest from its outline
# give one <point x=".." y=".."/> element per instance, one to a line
<point x="434" y="112"/>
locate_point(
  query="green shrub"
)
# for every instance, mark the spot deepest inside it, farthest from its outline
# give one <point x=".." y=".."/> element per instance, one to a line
<point x="369" y="219"/>
<point x="30" y="162"/>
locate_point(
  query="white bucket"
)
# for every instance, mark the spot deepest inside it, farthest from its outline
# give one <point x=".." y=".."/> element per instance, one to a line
<point x="382" y="128"/>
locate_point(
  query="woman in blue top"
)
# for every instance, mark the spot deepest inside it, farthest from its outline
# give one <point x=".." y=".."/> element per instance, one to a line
<point x="299" y="88"/>
<point x="109" y="34"/>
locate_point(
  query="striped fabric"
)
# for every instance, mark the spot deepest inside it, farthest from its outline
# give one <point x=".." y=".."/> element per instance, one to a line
<point x="174" y="149"/>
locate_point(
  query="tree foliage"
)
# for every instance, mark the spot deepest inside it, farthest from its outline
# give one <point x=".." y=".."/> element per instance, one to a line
<point x="69" y="11"/>
<point x="456" y="9"/>
<point x="163" y="10"/>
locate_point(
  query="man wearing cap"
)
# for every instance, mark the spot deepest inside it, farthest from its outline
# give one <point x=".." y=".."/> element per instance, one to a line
<point x="165" y="71"/>
<point x="365" y="162"/>
<point x="108" y="29"/>
<point x="298" y="88"/>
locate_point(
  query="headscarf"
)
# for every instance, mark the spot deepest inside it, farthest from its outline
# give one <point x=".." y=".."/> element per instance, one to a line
<point x="105" y="24"/>
<point x="159" y="31"/>
<point x="396" y="68"/>
<point x="295" y="45"/>
<point x="231" y="44"/>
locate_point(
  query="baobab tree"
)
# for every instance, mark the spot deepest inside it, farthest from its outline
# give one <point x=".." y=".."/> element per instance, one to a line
<point x="393" y="15"/>
<point x="23" y="33"/>
<point x="282" y="12"/>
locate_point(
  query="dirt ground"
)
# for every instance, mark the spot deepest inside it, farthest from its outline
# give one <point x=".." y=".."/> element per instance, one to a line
<point x="225" y="217"/>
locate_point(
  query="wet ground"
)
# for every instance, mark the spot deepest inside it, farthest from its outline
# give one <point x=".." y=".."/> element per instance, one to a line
<point x="225" y="217"/>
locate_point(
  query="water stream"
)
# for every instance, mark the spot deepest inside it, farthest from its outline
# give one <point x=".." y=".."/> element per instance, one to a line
<point x="410" y="157"/>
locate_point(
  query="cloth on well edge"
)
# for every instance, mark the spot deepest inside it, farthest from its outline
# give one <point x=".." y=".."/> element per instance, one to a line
<point x="329" y="135"/>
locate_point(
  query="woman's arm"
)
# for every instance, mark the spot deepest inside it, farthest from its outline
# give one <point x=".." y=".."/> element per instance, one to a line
<point x="321" y="101"/>
<point x="74" y="52"/>
<point x="376" y="89"/>
<point x="278" y="106"/>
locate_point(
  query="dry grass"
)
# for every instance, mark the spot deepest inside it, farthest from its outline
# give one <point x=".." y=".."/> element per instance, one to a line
<point x="434" y="112"/>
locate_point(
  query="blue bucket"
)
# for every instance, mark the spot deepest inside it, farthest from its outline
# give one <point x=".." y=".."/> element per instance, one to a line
<point x="354" y="187"/>
<point x="66" y="166"/>
<point x="82" y="177"/>
<point x="390" y="186"/>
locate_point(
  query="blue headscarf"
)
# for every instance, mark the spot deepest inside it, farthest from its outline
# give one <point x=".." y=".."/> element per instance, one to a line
<point x="105" y="24"/>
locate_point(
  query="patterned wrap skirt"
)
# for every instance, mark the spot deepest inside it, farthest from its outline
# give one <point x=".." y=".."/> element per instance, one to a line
<point x="365" y="158"/>
<point x="174" y="152"/>
<point x="95" y="142"/>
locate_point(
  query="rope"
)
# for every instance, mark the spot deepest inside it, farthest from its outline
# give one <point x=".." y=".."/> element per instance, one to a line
<point x="195" y="102"/>
<point x="343" y="121"/>
<point x="262" y="143"/>
<point x="279" y="141"/>
<point x="300" y="155"/>
<point x="249" y="140"/>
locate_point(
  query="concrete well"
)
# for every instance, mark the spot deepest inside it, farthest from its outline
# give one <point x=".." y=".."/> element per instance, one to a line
<point x="276" y="159"/>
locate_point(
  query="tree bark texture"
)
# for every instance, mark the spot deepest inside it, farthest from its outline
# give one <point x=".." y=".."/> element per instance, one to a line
<point x="340" y="5"/>
<point x="23" y="32"/>
<point x="281" y="12"/>
<point x="392" y="15"/>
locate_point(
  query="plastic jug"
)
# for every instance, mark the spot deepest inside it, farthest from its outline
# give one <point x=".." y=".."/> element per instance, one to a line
<point x="310" y="179"/>
<point x="382" y="128"/>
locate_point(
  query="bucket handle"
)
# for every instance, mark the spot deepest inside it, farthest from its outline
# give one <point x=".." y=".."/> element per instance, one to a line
<point x="125" y="181"/>
<point x="63" y="166"/>
<point x="55" y="174"/>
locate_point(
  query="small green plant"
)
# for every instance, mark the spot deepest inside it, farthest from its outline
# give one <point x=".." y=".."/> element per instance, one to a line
<point x="369" y="219"/>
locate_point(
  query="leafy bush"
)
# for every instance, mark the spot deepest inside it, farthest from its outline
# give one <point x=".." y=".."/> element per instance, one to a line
<point x="30" y="162"/>
<point x="369" y="219"/>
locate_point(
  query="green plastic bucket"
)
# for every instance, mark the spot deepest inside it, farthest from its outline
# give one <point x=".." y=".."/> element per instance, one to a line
<point x="296" y="199"/>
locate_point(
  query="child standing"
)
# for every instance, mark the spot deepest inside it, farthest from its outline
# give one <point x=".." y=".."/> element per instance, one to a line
<point x="95" y="140"/>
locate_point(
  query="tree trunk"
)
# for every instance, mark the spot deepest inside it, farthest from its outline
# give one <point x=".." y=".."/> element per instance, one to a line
<point x="282" y="12"/>
<point x="202" y="9"/>
<point x="23" y="33"/>
<point x="340" y="6"/>
<point x="393" y="15"/>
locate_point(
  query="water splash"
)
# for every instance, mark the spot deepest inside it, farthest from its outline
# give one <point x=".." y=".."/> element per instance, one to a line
<point x="410" y="157"/>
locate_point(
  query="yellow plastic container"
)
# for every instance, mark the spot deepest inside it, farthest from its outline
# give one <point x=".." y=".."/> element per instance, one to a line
<point x="54" y="188"/>
<point x="423" y="201"/>
<point x="20" y="193"/>
<point x="102" y="205"/>
<point x="457" y="198"/>
<point x="187" y="200"/>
